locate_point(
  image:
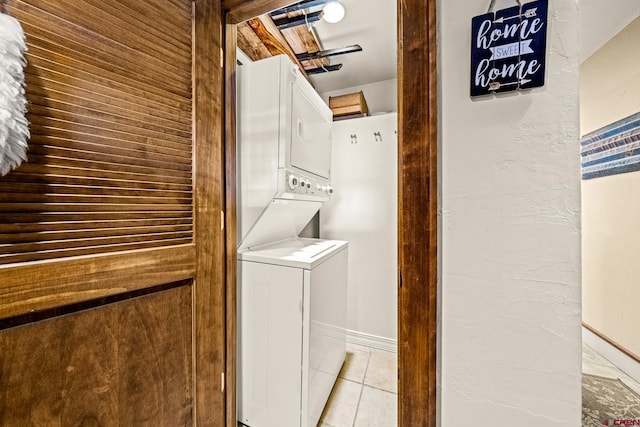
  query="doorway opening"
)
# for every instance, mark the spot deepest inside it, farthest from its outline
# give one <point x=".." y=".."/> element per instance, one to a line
<point x="417" y="203"/>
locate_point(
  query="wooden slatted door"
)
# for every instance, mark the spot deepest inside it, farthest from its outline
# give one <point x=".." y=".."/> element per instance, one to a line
<point x="109" y="166"/>
<point x="101" y="319"/>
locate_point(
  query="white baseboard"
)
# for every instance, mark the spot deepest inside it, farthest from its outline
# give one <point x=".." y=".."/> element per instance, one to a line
<point x="372" y="341"/>
<point x="625" y="363"/>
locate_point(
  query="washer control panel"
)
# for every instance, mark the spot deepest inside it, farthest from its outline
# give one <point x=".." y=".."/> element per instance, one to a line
<point x="300" y="184"/>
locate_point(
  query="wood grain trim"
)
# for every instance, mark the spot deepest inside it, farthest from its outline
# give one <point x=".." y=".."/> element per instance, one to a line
<point x="176" y="9"/>
<point x="273" y="40"/>
<point x="620" y="347"/>
<point x="242" y="10"/>
<point x="42" y="114"/>
<point x="114" y="107"/>
<point x="76" y="166"/>
<point x="81" y="153"/>
<point x="126" y="362"/>
<point x="230" y="61"/>
<point x="108" y="144"/>
<point x="131" y="119"/>
<point x="418" y="207"/>
<point x="209" y="205"/>
<point x="174" y="20"/>
<point x="76" y="190"/>
<point x="105" y="32"/>
<point x="103" y="90"/>
<point x="139" y="75"/>
<point x="90" y="207"/>
<point x="32" y="287"/>
<point x="156" y="29"/>
<point x="250" y="43"/>
<point x="62" y="177"/>
<point x="94" y="239"/>
<point x="43" y="217"/>
<point x="76" y="226"/>
<point x="87" y="249"/>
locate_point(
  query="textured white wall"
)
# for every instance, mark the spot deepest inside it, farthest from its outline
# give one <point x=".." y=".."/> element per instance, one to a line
<point x="609" y="91"/>
<point x="601" y="20"/>
<point x="510" y="252"/>
<point x="363" y="211"/>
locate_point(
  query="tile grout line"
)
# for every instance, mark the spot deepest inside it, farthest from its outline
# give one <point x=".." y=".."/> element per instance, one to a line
<point x="361" y="389"/>
<point x="379" y="389"/>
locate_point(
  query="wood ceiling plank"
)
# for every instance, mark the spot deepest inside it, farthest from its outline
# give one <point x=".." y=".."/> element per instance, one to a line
<point x="303" y="40"/>
<point x="267" y="31"/>
<point x="250" y="43"/>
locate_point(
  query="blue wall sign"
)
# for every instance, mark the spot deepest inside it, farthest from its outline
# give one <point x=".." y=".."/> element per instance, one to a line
<point x="508" y="49"/>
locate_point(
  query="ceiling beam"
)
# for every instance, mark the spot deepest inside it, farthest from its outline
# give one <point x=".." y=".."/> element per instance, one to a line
<point x="299" y="6"/>
<point x="304" y="19"/>
<point x="273" y="40"/>
<point x="325" y="69"/>
<point x="329" y="52"/>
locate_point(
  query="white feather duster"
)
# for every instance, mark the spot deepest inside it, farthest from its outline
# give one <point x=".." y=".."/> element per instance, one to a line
<point x="14" y="128"/>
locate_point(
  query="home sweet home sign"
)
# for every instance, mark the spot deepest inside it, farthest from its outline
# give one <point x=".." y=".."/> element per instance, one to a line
<point x="508" y="49"/>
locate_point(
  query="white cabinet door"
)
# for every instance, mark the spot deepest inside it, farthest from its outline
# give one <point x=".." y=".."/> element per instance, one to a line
<point x="270" y="343"/>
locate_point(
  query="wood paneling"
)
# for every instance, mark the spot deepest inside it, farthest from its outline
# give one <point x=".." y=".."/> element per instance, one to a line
<point x="29" y="288"/>
<point x="418" y="206"/>
<point x="104" y="210"/>
<point x="109" y="167"/>
<point x="124" y="364"/>
<point x="210" y="314"/>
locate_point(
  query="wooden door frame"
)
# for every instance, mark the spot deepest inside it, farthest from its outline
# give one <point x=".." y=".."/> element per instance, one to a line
<point x="417" y="203"/>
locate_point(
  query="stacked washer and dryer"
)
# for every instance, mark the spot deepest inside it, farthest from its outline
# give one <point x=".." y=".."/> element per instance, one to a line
<point x="291" y="290"/>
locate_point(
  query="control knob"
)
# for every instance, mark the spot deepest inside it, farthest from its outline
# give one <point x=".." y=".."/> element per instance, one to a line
<point x="293" y="182"/>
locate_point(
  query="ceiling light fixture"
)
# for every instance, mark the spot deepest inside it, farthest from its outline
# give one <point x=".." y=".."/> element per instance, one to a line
<point x="333" y="12"/>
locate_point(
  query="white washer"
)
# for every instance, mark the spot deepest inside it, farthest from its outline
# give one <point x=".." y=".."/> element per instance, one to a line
<point x="292" y="343"/>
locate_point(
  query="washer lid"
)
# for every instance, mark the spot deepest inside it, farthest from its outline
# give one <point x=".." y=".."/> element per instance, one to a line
<point x="296" y="252"/>
<point x="282" y="219"/>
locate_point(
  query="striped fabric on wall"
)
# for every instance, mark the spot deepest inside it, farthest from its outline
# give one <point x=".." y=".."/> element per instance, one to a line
<point x="612" y="150"/>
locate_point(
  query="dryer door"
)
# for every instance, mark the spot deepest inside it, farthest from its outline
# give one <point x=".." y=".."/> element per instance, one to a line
<point x="310" y="136"/>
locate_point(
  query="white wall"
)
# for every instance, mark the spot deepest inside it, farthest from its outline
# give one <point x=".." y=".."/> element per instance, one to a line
<point x="609" y="91"/>
<point x="363" y="211"/>
<point x="601" y="20"/>
<point x="510" y="254"/>
<point x="381" y="96"/>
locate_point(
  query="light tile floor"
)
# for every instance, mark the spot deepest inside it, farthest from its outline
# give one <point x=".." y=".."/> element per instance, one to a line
<point x="593" y="363"/>
<point x="365" y="394"/>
